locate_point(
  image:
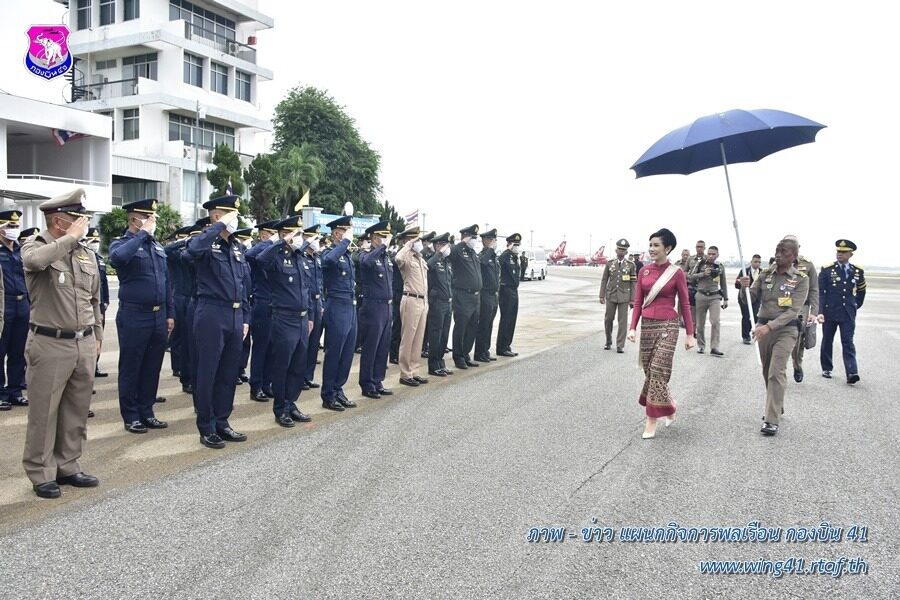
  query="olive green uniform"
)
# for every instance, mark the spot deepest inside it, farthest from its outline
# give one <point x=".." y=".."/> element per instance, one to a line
<point x="805" y="266"/>
<point x="711" y="292"/>
<point x="617" y="289"/>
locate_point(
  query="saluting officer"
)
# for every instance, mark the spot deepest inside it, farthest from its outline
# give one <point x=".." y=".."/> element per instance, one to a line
<point x="810" y="311"/>
<point x="490" y="285"/>
<point x="145" y="317"/>
<point x="191" y="350"/>
<point x="61" y="351"/>
<point x="245" y="237"/>
<point x="439" y="297"/>
<point x="376" y="276"/>
<point x="288" y="274"/>
<point x="181" y="290"/>
<point x="16" y="311"/>
<point x="781" y="291"/>
<point x="92" y="241"/>
<point x="363" y="245"/>
<point x="466" y="291"/>
<point x="617" y="293"/>
<point x="842" y="291"/>
<point x="510" y="273"/>
<point x="427" y="253"/>
<point x="708" y="279"/>
<point x="316" y="303"/>
<point x="340" y="315"/>
<point x="221" y="320"/>
<point x="396" y="296"/>
<point x="413" y="308"/>
<point x="260" y="317"/>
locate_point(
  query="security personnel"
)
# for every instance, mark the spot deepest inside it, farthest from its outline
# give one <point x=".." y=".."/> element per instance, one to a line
<point x="245" y="237"/>
<point x="752" y="271"/>
<point x="288" y="274"/>
<point x="221" y="320"/>
<point x="316" y="303"/>
<point x="190" y="348"/>
<point x="61" y="351"/>
<point x="781" y="291"/>
<point x="510" y="274"/>
<point x="692" y="263"/>
<point x="427" y="253"/>
<point x="842" y="291"/>
<point x="364" y="245"/>
<point x="466" y="291"/>
<point x="617" y="293"/>
<point x="340" y="315"/>
<point x="376" y="275"/>
<point x="413" y="307"/>
<point x="490" y="286"/>
<point x="439" y="297"/>
<point x="180" y="293"/>
<point x="92" y="241"/>
<point x="146" y="315"/>
<point x="708" y="278"/>
<point x="397" y="289"/>
<point x="16" y="311"/>
<point x="261" y="318"/>
<point x="810" y="311"/>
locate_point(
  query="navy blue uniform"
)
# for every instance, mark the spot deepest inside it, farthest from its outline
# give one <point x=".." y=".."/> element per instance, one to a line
<point x="189" y="348"/>
<point x="260" y="320"/>
<point x="222" y="310"/>
<point x="16" y="313"/>
<point x="466" y="302"/>
<point x="490" y="286"/>
<point x="145" y="302"/>
<point x="841" y="292"/>
<point x="316" y="311"/>
<point x="396" y="322"/>
<point x="180" y="292"/>
<point x="439" y="297"/>
<point x="375" y="279"/>
<point x="508" y="300"/>
<point x="339" y="319"/>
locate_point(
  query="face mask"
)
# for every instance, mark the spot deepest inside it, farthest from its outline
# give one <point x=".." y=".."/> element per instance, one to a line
<point x="232" y="226"/>
<point x="314" y="245"/>
<point x="445" y="251"/>
<point x="94" y="246"/>
<point x="417" y="246"/>
<point x="471" y="243"/>
<point x="12" y="234"/>
<point x="514" y="249"/>
<point x="296" y="243"/>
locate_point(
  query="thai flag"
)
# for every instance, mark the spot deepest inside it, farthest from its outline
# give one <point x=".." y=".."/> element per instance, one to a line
<point x="412" y="217"/>
<point x="229" y="191"/>
<point x="62" y="136"/>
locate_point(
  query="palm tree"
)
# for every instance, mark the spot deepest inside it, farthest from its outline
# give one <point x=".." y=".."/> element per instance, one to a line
<point x="299" y="170"/>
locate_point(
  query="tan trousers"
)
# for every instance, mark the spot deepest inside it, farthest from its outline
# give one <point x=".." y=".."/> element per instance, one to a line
<point x="797" y="353"/>
<point x="712" y="305"/>
<point x="612" y="308"/>
<point x="413" y="314"/>
<point x="774" y="351"/>
<point x="60" y="378"/>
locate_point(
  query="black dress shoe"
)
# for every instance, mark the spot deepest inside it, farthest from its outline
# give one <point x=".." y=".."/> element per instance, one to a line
<point x="424" y="354"/>
<point x="239" y="381"/>
<point x="296" y="415"/>
<point x="99" y="373"/>
<point x="18" y="401"/>
<point x="212" y="440"/>
<point x="447" y="371"/>
<point x="716" y="352"/>
<point x="769" y="429"/>
<point x="798" y="375"/>
<point x="268" y="392"/>
<point x="421" y="380"/>
<point x="410" y="382"/>
<point x="356" y="351"/>
<point x="482" y="358"/>
<point x="510" y="353"/>
<point x="312" y="384"/>
<point x="470" y="363"/>
<point x="332" y="405"/>
<point x="154" y="423"/>
<point x="851" y="379"/>
<point x="4" y="405"/>
<point x="176" y="373"/>
<point x="160" y="399"/>
<point x="372" y="395"/>
<point x="135" y="427"/>
<point x="259" y="396"/>
<point x="90" y="414"/>
<point x="345" y="402"/>
<point x="384" y="391"/>
<point x="187" y="389"/>
<point x="747" y="342"/>
<point x="699" y="350"/>
<point x="826" y="374"/>
<point x="78" y="480"/>
<point x="394" y="361"/>
<point x="305" y="386"/>
<point x="49" y="489"/>
<point x="284" y="421"/>
<point x="243" y="377"/>
<point x="606" y="346"/>
<point x="620" y="350"/>
<point x="438" y="373"/>
<point x="492" y="359"/>
<point x="460" y="365"/>
<point x="230" y="435"/>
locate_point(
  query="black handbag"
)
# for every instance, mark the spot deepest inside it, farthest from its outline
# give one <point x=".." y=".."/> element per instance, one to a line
<point x="809" y="335"/>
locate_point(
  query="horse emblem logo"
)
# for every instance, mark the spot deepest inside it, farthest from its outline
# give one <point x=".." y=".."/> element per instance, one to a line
<point x="48" y="51"/>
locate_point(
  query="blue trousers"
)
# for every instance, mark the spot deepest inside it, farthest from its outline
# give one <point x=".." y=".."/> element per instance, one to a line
<point x="218" y="341"/>
<point x="12" y="346"/>
<point x="312" y="350"/>
<point x="142" y="347"/>
<point x="375" y="323"/>
<point x="340" y="341"/>
<point x="261" y="331"/>
<point x="829" y="328"/>
<point x="188" y="352"/>
<point x="290" y="336"/>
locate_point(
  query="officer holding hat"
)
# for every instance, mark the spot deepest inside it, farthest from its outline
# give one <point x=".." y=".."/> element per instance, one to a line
<point x="617" y="293"/>
<point x="490" y="285"/>
<point x="842" y="291"/>
<point x="316" y="303"/>
<point x="15" y="312"/>
<point x="261" y="319"/>
<point x="221" y="320"/>
<point x="439" y="297"/>
<point x="340" y="315"/>
<point x="376" y="276"/>
<point x="146" y="315"/>
<point x="466" y="296"/>
<point x="64" y="288"/>
<point x="510" y="274"/>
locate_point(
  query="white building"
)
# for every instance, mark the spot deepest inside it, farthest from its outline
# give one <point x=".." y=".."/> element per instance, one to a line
<point x="34" y="167"/>
<point x="159" y="68"/>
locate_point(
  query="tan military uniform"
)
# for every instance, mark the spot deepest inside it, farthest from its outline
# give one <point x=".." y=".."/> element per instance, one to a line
<point x="805" y="266"/>
<point x="413" y="308"/>
<point x="617" y="288"/>
<point x="64" y="284"/>
<point x="781" y="298"/>
<point x="691" y="264"/>
<point x="711" y="291"/>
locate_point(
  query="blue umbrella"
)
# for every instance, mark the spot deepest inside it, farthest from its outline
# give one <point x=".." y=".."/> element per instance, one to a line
<point x="715" y="140"/>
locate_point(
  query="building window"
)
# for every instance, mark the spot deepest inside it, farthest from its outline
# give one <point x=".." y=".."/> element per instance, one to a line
<point x="131" y="124"/>
<point x="142" y="65"/>
<point x="205" y="23"/>
<point x="132" y="9"/>
<point x="106" y="64"/>
<point x="208" y="136"/>
<point x="242" y="86"/>
<point x="193" y="69"/>
<point x="111" y="115"/>
<point x="132" y="191"/>
<point x="219" y="81"/>
<point x="107" y="12"/>
<point x="84" y="14"/>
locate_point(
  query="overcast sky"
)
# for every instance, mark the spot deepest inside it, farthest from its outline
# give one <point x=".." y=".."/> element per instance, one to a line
<point x="526" y="115"/>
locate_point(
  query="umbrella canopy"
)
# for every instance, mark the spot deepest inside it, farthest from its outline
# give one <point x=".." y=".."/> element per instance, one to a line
<point x="742" y="135"/>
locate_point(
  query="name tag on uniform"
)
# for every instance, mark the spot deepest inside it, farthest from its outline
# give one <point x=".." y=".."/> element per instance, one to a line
<point x="785" y="301"/>
<point x="626" y="277"/>
<point x="716" y="279"/>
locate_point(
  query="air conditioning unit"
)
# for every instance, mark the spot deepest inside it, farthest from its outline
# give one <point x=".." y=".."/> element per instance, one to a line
<point x="233" y="48"/>
<point x="189" y="152"/>
<point x="100" y="79"/>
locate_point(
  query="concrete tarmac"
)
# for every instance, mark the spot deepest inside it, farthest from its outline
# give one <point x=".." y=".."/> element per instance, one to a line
<point x="431" y="493"/>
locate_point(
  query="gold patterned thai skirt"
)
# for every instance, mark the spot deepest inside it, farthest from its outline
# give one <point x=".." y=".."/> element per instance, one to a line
<point x="658" y="341"/>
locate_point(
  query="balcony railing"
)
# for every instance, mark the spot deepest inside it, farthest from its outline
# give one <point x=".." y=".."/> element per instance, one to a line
<point x="219" y="42"/>
<point x="41" y="177"/>
<point x="105" y="90"/>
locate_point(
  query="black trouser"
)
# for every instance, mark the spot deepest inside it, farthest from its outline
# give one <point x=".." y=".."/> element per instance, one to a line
<point x="509" y="313"/>
<point x="438" y="326"/>
<point x="486" y="323"/>
<point x="466" y="307"/>
<point x="395" y="329"/>
<point x="745" y="318"/>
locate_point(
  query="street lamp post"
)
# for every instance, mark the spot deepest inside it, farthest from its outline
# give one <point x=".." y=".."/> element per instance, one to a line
<point x="197" y="134"/>
<point x="423" y="220"/>
<point x="531" y="238"/>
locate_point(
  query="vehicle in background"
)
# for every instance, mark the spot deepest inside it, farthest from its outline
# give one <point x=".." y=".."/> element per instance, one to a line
<point x="536" y="267"/>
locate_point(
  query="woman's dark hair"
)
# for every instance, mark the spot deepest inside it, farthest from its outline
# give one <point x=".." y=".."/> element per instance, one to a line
<point x="667" y="238"/>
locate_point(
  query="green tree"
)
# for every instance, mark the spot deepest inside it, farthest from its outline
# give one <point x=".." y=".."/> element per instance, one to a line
<point x="264" y="182"/>
<point x="310" y="116"/>
<point x="390" y="214"/>
<point x="298" y="170"/>
<point x="228" y="168"/>
<point x="114" y="223"/>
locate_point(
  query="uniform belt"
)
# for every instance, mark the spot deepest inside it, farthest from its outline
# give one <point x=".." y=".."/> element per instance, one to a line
<point x="15" y="296"/>
<point x="316" y="296"/>
<point x="377" y="300"/>
<point x="469" y="290"/>
<point x="217" y="302"/>
<point x="140" y="307"/>
<point x="714" y="293"/>
<point x="288" y="311"/>
<point x="411" y="295"/>
<point x="60" y="333"/>
<point x="487" y="291"/>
